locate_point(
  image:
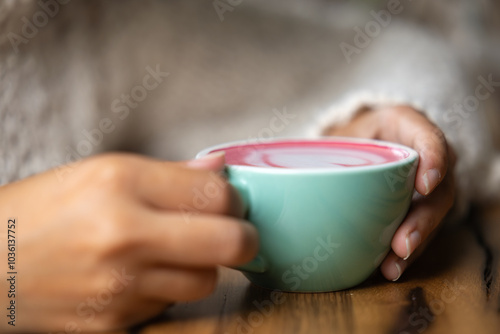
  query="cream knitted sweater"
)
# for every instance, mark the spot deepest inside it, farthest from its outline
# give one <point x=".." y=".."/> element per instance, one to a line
<point x="170" y="78"/>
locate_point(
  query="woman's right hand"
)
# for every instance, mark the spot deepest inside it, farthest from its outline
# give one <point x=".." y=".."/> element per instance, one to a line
<point x="118" y="239"/>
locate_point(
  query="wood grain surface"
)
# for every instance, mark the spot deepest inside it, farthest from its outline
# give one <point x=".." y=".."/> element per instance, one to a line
<point x="454" y="287"/>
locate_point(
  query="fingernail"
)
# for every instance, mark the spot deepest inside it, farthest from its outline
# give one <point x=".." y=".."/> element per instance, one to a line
<point x="398" y="268"/>
<point x="431" y="179"/>
<point x="202" y="161"/>
<point x="412" y="242"/>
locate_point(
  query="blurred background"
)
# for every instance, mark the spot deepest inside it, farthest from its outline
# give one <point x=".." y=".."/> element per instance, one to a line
<point x="471" y="28"/>
<point x="233" y="66"/>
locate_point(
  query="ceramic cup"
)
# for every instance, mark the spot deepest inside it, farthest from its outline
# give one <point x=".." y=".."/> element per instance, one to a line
<point x="321" y="227"/>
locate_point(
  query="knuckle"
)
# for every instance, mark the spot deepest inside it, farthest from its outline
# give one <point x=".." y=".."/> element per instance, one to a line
<point x="110" y="320"/>
<point x="427" y="140"/>
<point x="220" y="194"/>
<point x="438" y="139"/>
<point x="439" y="135"/>
<point x="225" y="200"/>
<point x="433" y="147"/>
<point x="432" y="223"/>
<point x="206" y="283"/>
<point x="112" y="235"/>
<point x="110" y="171"/>
<point x="237" y="246"/>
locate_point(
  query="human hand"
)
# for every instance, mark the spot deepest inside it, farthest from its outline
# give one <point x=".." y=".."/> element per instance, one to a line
<point x="121" y="237"/>
<point x="434" y="180"/>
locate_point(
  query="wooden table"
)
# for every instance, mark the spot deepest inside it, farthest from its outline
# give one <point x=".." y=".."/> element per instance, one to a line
<point x="453" y="288"/>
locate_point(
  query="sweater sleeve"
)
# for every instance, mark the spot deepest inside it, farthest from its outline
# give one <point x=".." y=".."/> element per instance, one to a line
<point x="406" y="65"/>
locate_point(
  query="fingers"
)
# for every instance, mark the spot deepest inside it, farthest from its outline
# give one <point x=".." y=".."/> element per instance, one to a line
<point x="410" y="128"/>
<point x="213" y="161"/>
<point x="163" y="185"/>
<point x="201" y="187"/>
<point x="190" y="240"/>
<point x="424" y="216"/>
<point x="393" y="267"/>
<point x="436" y="159"/>
<point x="177" y="284"/>
<point x="431" y="146"/>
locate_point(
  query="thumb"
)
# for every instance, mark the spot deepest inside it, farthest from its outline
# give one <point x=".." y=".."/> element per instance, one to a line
<point x="213" y="162"/>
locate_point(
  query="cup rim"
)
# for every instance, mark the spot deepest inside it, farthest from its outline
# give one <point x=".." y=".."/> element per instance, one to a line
<point x="412" y="155"/>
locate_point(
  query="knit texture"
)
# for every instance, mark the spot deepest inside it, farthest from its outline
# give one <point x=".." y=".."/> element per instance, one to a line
<point x="260" y="72"/>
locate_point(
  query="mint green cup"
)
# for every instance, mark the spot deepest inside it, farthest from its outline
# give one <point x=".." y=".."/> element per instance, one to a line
<point x="322" y="229"/>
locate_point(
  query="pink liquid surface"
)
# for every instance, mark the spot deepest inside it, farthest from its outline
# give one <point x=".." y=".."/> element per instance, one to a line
<point x="312" y="154"/>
